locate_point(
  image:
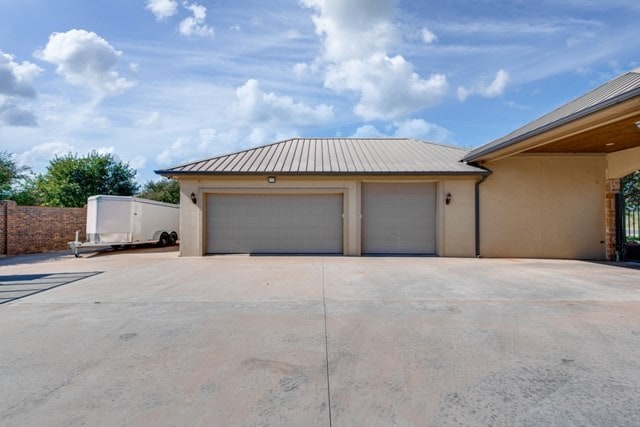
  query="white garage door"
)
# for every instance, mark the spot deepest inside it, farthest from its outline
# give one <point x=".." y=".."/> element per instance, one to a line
<point x="399" y="218"/>
<point x="270" y="223"/>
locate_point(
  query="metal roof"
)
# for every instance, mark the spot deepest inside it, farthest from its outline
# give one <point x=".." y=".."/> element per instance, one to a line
<point x="336" y="156"/>
<point x="615" y="91"/>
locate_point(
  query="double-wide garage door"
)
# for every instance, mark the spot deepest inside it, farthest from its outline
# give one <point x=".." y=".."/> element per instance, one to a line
<point x="396" y="219"/>
<point x="274" y="223"/>
<point x="399" y="218"/>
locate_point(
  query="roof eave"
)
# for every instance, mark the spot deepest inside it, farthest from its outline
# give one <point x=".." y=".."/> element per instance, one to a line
<point x="475" y="155"/>
<point x="169" y="173"/>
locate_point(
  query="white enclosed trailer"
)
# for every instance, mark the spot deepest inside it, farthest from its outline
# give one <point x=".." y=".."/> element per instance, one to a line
<point x="125" y="220"/>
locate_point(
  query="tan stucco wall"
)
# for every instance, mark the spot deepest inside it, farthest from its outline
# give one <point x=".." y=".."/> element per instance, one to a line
<point x="622" y="163"/>
<point x="544" y="207"/>
<point x="455" y="227"/>
<point x="457" y="219"/>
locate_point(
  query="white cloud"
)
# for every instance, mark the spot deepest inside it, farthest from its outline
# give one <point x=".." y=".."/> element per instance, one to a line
<point x="491" y="90"/>
<point x="428" y="36"/>
<point x="15" y="79"/>
<point x="388" y="87"/>
<point x="44" y="152"/>
<point x="355" y="28"/>
<point x="85" y="59"/>
<point x="194" y="25"/>
<point x="162" y="9"/>
<point x="178" y="149"/>
<point x="411" y="128"/>
<point x="368" y="131"/>
<point x="151" y="120"/>
<point x="12" y="114"/>
<point x="138" y="162"/>
<point x="357" y="35"/>
<point x="252" y="105"/>
<point x="106" y="150"/>
<point x="206" y="138"/>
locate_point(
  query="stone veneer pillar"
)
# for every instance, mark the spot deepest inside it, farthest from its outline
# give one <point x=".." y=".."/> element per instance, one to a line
<point x="612" y="187"/>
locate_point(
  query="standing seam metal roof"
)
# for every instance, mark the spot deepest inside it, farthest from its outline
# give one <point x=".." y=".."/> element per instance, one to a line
<point x="336" y="156"/>
<point x="617" y="90"/>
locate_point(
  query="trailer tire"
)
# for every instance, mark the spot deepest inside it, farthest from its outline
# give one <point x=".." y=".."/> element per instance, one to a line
<point x="164" y="240"/>
<point x="173" y="238"/>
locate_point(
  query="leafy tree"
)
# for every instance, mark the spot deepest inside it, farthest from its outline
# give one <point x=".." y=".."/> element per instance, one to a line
<point x="164" y="190"/>
<point x="10" y="174"/>
<point x="70" y="180"/>
<point x="630" y="189"/>
<point x="26" y="193"/>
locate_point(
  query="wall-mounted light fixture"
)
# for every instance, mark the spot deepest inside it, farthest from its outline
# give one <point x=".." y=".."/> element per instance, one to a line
<point x="194" y="200"/>
<point x="447" y="199"/>
<point x="271" y="180"/>
<point x="638" y="124"/>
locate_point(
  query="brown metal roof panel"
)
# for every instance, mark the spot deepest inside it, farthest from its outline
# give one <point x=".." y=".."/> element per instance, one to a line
<point x="350" y="163"/>
<point x="273" y="162"/>
<point x="296" y="155"/>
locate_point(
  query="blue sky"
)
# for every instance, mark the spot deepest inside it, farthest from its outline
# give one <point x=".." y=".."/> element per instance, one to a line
<point x="162" y="82"/>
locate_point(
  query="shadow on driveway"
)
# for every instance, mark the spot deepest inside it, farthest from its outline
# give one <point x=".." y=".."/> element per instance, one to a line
<point x="19" y="286"/>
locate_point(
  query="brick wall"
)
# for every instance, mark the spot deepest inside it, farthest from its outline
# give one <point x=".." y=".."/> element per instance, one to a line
<point x="34" y="229"/>
<point x="612" y="186"/>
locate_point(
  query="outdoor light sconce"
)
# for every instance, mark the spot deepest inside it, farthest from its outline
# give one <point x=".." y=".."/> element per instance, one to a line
<point x="447" y="199"/>
<point x="271" y="180"/>
<point x="193" y="198"/>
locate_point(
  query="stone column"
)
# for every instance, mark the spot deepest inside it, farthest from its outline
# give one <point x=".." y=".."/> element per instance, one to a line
<point x="612" y="187"/>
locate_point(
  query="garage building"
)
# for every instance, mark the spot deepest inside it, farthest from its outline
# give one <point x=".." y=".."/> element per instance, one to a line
<point x="330" y="196"/>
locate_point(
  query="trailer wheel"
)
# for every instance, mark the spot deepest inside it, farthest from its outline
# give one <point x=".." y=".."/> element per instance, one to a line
<point x="164" y="240"/>
<point x="173" y="238"/>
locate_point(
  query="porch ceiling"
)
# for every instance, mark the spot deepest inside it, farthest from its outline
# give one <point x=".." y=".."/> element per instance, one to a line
<point x="608" y="138"/>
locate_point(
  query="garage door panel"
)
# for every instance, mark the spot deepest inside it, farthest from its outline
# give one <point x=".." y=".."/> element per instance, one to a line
<point x="398" y="218"/>
<point x="291" y="223"/>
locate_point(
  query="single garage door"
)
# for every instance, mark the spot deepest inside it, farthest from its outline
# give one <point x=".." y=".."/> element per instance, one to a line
<point x="274" y="223"/>
<point x="399" y="218"/>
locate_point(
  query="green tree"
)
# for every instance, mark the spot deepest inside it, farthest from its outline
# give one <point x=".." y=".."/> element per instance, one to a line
<point x="630" y="189"/>
<point x="11" y="174"/>
<point x="70" y="180"/>
<point x="164" y="190"/>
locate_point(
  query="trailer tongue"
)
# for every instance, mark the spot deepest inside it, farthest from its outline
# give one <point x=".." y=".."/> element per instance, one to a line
<point x="124" y="220"/>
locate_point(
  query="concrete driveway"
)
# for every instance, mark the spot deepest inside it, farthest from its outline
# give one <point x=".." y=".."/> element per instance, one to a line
<point x="153" y="339"/>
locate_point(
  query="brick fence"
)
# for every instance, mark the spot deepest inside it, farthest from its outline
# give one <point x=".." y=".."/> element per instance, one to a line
<point x="34" y="229"/>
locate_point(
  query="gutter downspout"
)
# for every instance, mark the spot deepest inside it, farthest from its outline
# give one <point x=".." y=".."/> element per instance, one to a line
<point x="477" y="213"/>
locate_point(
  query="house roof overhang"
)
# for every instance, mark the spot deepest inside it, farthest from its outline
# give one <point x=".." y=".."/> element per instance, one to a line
<point x="605" y="127"/>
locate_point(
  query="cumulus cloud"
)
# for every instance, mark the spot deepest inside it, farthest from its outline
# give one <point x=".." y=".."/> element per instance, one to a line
<point x="491" y="90"/>
<point x="12" y="114"/>
<point x="357" y="35"/>
<point x="252" y="105"/>
<point x="428" y="36"/>
<point x="194" y="25"/>
<point x="388" y="87"/>
<point x="411" y="128"/>
<point x="85" y="59"/>
<point x="15" y="78"/>
<point x="44" y="152"/>
<point x="162" y="9"/>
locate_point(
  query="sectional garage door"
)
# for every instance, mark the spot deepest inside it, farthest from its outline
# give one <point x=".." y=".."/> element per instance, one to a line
<point x="274" y="223"/>
<point x="399" y="218"/>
